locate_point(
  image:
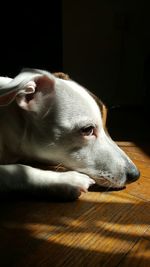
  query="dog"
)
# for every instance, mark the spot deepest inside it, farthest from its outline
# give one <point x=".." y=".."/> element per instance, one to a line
<point x="49" y="119"/>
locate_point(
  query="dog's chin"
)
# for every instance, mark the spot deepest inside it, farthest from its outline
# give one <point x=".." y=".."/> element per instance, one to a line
<point x="105" y="183"/>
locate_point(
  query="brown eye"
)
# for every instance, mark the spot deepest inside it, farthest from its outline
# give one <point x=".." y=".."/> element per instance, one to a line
<point x="87" y="131"/>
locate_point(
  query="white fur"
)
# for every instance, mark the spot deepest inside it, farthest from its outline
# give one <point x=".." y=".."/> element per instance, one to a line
<point x="90" y="102"/>
<point x="45" y="121"/>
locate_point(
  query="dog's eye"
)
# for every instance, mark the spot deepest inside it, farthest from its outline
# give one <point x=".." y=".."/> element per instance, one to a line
<point x="87" y="131"/>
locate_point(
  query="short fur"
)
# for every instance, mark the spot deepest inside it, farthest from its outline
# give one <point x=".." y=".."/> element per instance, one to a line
<point x="49" y="119"/>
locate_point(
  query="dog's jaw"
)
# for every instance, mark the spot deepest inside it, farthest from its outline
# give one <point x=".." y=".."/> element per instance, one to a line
<point x="61" y="109"/>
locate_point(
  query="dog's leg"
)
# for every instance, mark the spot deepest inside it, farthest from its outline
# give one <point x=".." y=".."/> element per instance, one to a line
<point x="64" y="185"/>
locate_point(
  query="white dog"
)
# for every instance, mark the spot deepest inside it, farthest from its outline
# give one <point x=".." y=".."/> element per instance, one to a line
<point x="49" y="120"/>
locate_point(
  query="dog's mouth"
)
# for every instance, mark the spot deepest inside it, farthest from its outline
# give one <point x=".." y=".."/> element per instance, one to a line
<point x="105" y="188"/>
<point x="109" y="183"/>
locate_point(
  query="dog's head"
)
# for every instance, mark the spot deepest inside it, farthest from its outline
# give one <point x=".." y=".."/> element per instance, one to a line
<point x="69" y="127"/>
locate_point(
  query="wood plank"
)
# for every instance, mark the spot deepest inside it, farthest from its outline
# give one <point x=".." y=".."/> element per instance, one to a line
<point x="138" y="256"/>
<point x="147" y="234"/>
<point x="63" y="235"/>
<point x="142" y="157"/>
<point x="125" y="144"/>
<point x="134" y="146"/>
<point x="140" y="189"/>
<point x="137" y="153"/>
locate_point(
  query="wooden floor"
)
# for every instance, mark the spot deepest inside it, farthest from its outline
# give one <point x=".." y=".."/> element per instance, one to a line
<point x="100" y="229"/>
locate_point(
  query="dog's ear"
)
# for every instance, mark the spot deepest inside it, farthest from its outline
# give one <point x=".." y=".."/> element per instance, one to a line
<point x="31" y="89"/>
<point x="36" y="94"/>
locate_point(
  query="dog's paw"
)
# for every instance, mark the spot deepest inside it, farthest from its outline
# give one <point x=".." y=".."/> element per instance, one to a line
<point x="79" y="180"/>
<point x="72" y="184"/>
<point x="68" y="186"/>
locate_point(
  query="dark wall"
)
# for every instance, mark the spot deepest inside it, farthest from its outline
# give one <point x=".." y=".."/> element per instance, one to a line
<point x="105" y="47"/>
<point x="30" y="36"/>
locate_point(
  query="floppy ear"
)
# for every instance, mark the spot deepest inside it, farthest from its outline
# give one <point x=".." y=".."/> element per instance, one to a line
<point x="32" y="91"/>
<point x="36" y="94"/>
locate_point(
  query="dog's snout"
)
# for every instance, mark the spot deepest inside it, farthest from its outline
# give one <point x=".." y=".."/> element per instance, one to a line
<point x="132" y="174"/>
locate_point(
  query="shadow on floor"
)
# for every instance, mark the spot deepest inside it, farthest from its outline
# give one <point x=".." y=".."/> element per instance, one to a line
<point x="35" y="234"/>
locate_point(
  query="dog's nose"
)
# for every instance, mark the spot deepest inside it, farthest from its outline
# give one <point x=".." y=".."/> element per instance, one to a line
<point x="132" y="174"/>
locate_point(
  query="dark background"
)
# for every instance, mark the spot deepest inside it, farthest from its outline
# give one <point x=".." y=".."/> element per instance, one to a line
<point x="104" y="45"/>
<point x="31" y="36"/>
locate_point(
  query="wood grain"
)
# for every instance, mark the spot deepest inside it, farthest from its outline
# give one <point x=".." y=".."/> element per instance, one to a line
<point x="109" y="228"/>
<point x="138" y="256"/>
